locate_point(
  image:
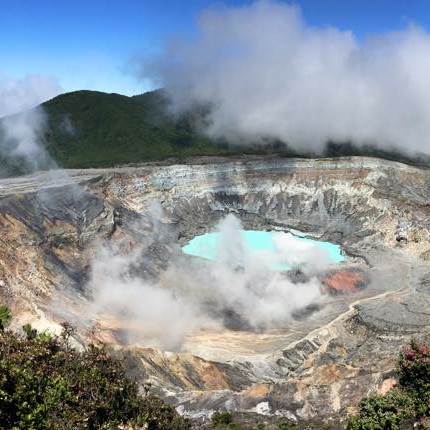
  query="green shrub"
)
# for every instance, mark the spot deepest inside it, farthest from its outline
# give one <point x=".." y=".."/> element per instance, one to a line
<point x="407" y="403"/>
<point x="45" y="384"/>
<point x="4" y="317"/>
<point x="384" y="412"/>
<point x="29" y="331"/>
<point x="414" y="375"/>
<point x="221" y="418"/>
<point x="287" y="425"/>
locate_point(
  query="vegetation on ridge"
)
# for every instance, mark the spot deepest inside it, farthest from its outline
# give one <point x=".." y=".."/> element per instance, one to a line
<point x="95" y="129"/>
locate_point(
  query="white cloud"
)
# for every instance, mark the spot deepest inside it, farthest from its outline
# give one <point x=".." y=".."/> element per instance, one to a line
<point x="23" y="121"/>
<point x="269" y="74"/>
<point x="17" y="95"/>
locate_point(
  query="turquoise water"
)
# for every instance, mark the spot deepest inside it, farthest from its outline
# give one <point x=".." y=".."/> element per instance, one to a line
<point x="206" y="246"/>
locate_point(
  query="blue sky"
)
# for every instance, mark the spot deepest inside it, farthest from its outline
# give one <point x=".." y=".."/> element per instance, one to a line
<point x="91" y="44"/>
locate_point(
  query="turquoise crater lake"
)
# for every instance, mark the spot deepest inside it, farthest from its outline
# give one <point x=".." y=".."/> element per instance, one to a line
<point x="207" y="245"/>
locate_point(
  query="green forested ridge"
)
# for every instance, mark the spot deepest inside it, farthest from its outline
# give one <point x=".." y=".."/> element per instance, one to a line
<point x="95" y="129"/>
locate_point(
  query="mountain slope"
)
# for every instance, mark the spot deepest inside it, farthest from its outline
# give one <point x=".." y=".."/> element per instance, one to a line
<point x="88" y="128"/>
<point x="95" y="129"/>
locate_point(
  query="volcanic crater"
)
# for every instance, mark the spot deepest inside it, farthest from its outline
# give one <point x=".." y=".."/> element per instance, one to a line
<point x="317" y="363"/>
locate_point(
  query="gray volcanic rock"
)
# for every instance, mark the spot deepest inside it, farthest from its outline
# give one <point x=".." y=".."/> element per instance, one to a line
<point x="323" y="361"/>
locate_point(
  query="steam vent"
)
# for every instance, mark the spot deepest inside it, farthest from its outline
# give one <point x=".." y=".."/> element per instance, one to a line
<point x="282" y="327"/>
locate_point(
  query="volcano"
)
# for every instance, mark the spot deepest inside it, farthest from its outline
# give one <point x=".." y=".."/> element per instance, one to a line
<point x="319" y="365"/>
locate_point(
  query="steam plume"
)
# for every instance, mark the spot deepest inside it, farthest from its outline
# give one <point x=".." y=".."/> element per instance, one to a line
<point x="192" y="295"/>
<point x="266" y="73"/>
<point x="23" y="123"/>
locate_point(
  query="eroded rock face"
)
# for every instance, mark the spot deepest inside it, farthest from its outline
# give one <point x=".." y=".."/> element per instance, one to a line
<point x="320" y="363"/>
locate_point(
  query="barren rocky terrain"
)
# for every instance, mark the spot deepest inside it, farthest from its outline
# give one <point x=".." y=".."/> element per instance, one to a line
<point x="322" y="361"/>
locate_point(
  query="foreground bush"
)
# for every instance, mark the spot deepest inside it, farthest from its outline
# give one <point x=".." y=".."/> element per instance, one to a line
<point x="391" y="412"/>
<point x="4" y="317"/>
<point x="221" y="418"/>
<point x="414" y="372"/>
<point x="404" y="405"/>
<point x="45" y="384"/>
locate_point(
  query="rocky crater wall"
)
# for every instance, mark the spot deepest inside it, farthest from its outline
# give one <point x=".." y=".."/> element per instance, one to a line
<point x="378" y="211"/>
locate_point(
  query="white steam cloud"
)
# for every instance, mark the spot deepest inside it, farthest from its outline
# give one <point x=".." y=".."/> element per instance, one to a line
<point x="240" y="290"/>
<point x="267" y="74"/>
<point x="17" y="95"/>
<point x="21" y="136"/>
<point x="23" y="122"/>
